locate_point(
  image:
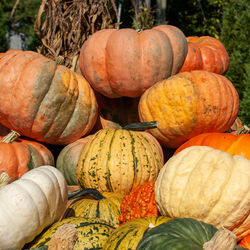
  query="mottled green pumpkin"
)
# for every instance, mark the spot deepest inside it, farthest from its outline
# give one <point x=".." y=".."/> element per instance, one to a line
<point x="92" y="233"/>
<point x="93" y="204"/>
<point x="118" y="160"/>
<point x="129" y="234"/>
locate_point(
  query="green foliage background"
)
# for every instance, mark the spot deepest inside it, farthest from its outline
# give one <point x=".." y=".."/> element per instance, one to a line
<point x="227" y="20"/>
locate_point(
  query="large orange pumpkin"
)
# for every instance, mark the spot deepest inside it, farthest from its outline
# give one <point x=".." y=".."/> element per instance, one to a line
<point x="18" y="156"/>
<point x="206" y="53"/>
<point x="188" y="104"/>
<point x="233" y="144"/>
<point x="44" y="101"/>
<point x="125" y="63"/>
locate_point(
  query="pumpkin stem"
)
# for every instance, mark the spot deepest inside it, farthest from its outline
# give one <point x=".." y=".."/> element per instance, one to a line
<point x="223" y="239"/>
<point x="141" y="126"/>
<point x="9" y="138"/>
<point x="59" y="60"/>
<point x="242" y="130"/>
<point x="86" y="191"/>
<point x="65" y="237"/>
<point x="4" y="178"/>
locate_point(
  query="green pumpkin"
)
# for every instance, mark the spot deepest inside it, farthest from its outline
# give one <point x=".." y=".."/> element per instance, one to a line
<point x="92" y="233"/>
<point x="178" y="234"/>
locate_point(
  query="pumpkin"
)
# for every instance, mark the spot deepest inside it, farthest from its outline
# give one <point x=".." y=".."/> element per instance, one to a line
<point x="68" y="158"/>
<point x="118" y="160"/>
<point x="233" y="144"/>
<point x="245" y="242"/>
<point x="139" y="203"/>
<point x="184" y="233"/>
<point x="206" y="184"/>
<point x="92" y="233"/>
<point x="129" y="235"/>
<point x="90" y="203"/>
<point x="124" y="62"/>
<point x="206" y="53"/>
<point x="17" y="156"/>
<point x="30" y="204"/>
<point x="44" y="101"/>
<point x="188" y="104"/>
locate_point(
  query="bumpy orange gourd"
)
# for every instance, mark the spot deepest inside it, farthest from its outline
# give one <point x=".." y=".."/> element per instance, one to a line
<point x="18" y="156"/>
<point x="233" y="144"/>
<point x="44" y="101"/>
<point x="139" y="203"/>
<point x="206" y="53"/>
<point x="125" y="63"/>
<point x="245" y="242"/>
<point x="188" y="104"/>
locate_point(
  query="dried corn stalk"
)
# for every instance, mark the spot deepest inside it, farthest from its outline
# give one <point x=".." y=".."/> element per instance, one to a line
<point x="63" y="26"/>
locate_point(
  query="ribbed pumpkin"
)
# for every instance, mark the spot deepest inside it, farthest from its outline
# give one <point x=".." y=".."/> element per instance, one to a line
<point x="129" y="235"/>
<point x="18" y="156"/>
<point x="44" y="101"/>
<point x="92" y="233"/>
<point x="206" y="184"/>
<point x="123" y="62"/>
<point x="68" y="158"/>
<point x="90" y="203"/>
<point x="233" y="144"/>
<point x="245" y="242"/>
<point x="188" y="104"/>
<point x="118" y="160"/>
<point x="139" y="203"/>
<point x="206" y="53"/>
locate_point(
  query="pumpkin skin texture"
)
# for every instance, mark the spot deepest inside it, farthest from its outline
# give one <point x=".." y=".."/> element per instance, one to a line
<point x="230" y="143"/>
<point x="92" y="233"/>
<point x="30" y="204"/>
<point x="106" y="208"/>
<point x="125" y="63"/>
<point x="206" y="184"/>
<point x="22" y="155"/>
<point x="139" y="203"/>
<point x="245" y="242"/>
<point x="206" y="53"/>
<point x="118" y="160"/>
<point x="44" y="101"/>
<point x="128" y="235"/>
<point x="188" y="104"/>
<point x="68" y="158"/>
<point x="177" y="234"/>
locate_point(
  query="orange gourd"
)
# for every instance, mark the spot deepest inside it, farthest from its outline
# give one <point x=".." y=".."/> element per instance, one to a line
<point x="206" y="53"/>
<point x="245" y="242"/>
<point x="228" y="142"/>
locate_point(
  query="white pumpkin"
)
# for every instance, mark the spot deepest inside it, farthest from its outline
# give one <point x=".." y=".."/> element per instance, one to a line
<point x="30" y="204"/>
<point x="206" y="184"/>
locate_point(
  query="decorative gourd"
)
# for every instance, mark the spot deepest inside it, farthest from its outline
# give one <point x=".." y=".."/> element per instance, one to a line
<point x="90" y="203"/>
<point x="125" y="63"/>
<point x="245" y="242"/>
<point x="139" y="203"/>
<point x="17" y="156"/>
<point x="118" y="160"/>
<point x="30" y="204"/>
<point x="206" y="184"/>
<point x="206" y="53"/>
<point x="68" y="158"/>
<point x="92" y="233"/>
<point x="233" y="144"/>
<point x="44" y="101"/>
<point x="129" y="235"/>
<point x="185" y="233"/>
<point x="188" y="104"/>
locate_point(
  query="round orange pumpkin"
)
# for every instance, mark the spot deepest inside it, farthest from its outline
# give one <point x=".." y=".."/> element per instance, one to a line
<point x="206" y="53"/>
<point x="188" y="104"/>
<point x="18" y="156"/>
<point x="233" y="144"/>
<point x="44" y="101"/>
<point x="125" y="63"/>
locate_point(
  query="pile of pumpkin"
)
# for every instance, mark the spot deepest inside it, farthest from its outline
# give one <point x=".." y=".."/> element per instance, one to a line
<point x="146" y="158"/>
